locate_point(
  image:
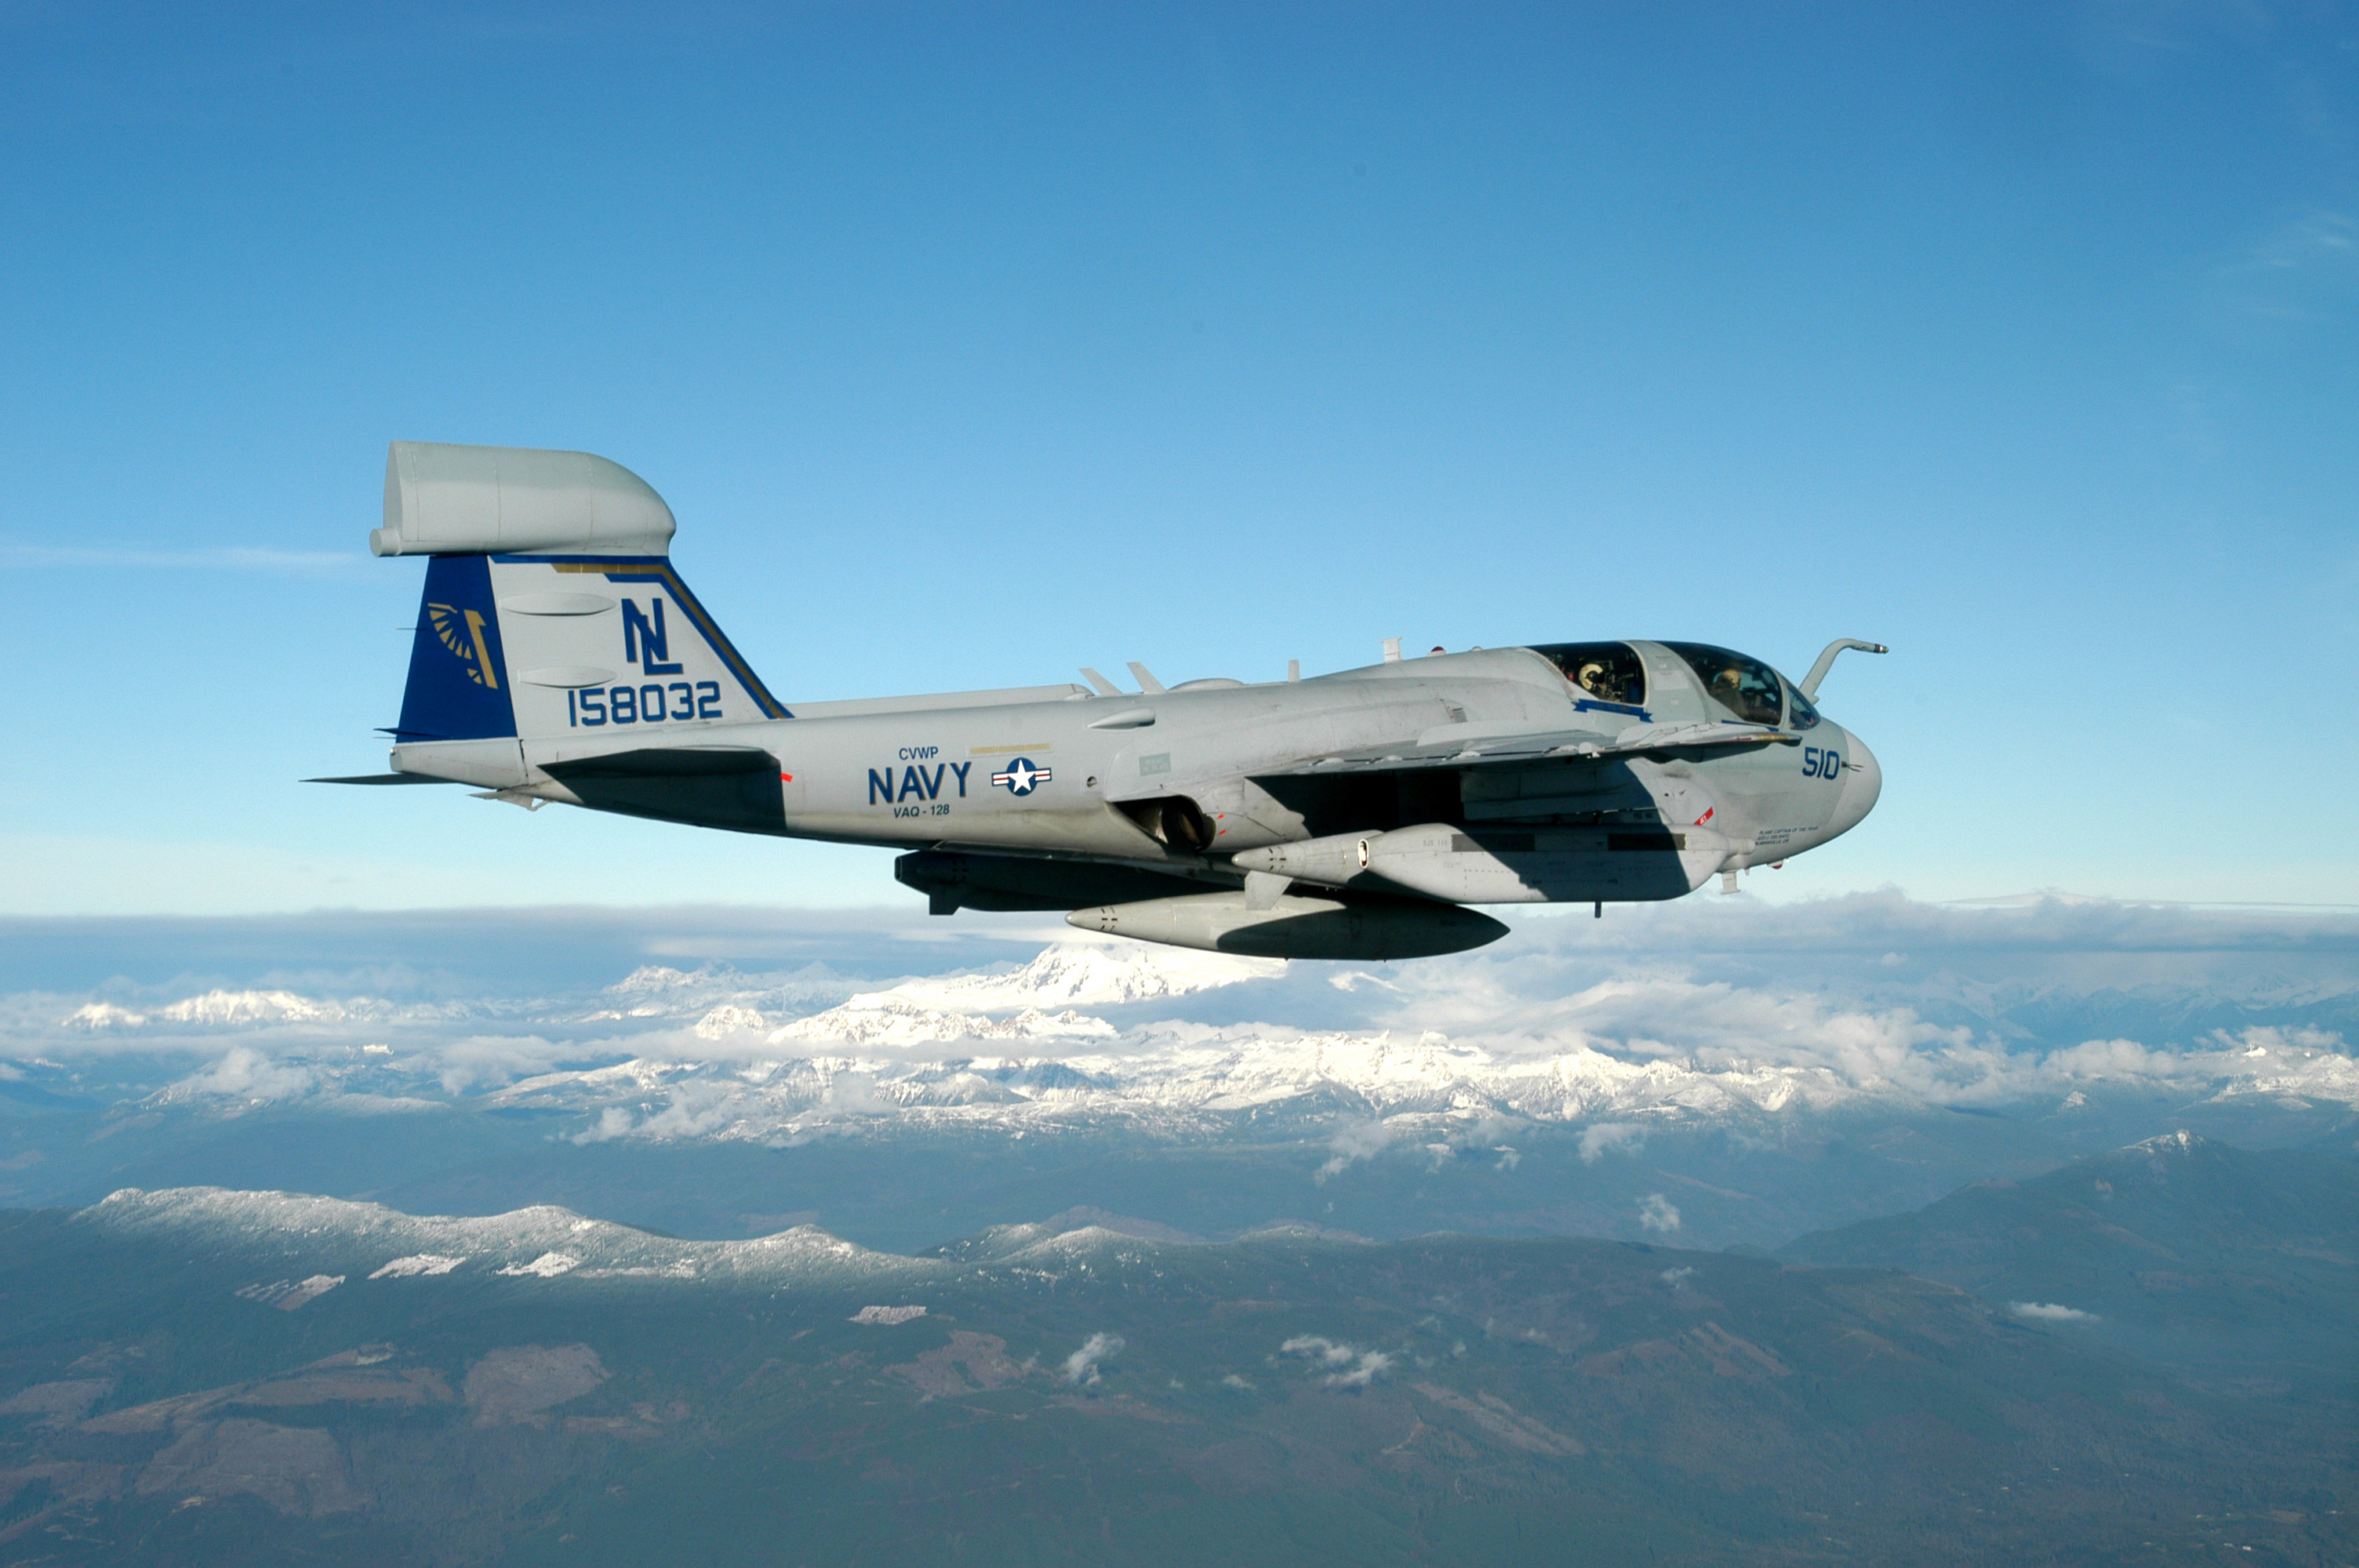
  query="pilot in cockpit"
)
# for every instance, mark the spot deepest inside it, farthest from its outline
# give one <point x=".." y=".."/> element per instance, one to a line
<point x="1600" y="672"/>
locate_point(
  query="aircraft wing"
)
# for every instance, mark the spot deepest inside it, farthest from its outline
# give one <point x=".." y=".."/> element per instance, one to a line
<point x="1471" y="749"/>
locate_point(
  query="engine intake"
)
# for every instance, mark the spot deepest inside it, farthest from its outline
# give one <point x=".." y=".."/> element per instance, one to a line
<point x="1173" y="821"/>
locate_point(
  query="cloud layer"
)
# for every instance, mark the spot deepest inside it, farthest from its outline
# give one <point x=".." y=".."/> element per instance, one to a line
<point x="1695" y="1012"/>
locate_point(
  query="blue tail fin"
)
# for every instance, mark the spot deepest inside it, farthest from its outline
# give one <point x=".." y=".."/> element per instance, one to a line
<point x="459" y="685"/>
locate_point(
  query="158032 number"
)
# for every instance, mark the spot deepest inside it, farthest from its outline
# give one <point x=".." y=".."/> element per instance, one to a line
<point x="651" y="704"/>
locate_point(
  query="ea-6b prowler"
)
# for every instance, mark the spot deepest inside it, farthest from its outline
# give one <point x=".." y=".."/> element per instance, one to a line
<point x="560" y="657"/>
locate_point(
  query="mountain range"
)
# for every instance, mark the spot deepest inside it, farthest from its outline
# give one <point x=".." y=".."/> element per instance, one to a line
<point x="213" y="1375"/>
<point x="2221" y="1261"/>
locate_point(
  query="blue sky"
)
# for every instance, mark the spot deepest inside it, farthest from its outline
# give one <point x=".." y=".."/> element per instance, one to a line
<point x="972" y="344"/>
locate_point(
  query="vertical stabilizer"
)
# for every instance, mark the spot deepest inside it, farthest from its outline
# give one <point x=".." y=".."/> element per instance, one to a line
<point x="459" y="684"/>
<point x="551" y="612"/>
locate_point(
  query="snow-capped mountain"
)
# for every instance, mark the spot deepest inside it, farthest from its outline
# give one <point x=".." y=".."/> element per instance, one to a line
<point x="238" y="1007"/>
<point x="302" y="1246"/>
<point x="367" y="1241"/>
<point x="1063" y="976"/>
<point x="885" y="1019"/>
<point x="219" y="1010"/>
<point x="1078" y="974"/>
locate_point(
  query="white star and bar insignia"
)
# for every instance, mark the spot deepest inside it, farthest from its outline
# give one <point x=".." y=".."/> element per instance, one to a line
<point x="1020" y="777"/>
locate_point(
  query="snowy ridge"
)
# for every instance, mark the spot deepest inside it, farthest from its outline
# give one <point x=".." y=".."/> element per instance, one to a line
<point x="1180" y="1081"/>
<point x="1176" y="1088"/>
<point x="373" y="1243"/>
<point x="887" y="1020"/>
<point x="657" y="990"/>
<point x="252" y="1007"/>
<point x="1064" y="976"/>
<point x="225" y="1009"/>
<point x="261" y="1009"/>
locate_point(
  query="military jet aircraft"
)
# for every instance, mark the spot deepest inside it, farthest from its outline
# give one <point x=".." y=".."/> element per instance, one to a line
<point x="560" y="657"/>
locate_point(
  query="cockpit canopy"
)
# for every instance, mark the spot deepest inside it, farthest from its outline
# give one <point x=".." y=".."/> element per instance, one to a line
<point x="1613" y="676"/>
<point x="1608" y="672"/>
<point x="1746" y="687"/>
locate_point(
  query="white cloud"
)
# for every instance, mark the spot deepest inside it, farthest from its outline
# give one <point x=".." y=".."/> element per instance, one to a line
<point x="1317" y="1348"/>
<point x="613" y="1122"/>
<point x="696" y="1109"/>
<point x="1353" y="1140"/>
<point x="479" y="1060"/>
<point x="1600" y="1138"/>
<point x="854" y="1094"/>
<point x="1657" y="1212"/>
<point x="1349" y="1367"/>
<point x="1081" y="1366"/>
<point x="1671" y="1016"/>
<point x="2048" y="1311"/>
<point x="244" y="1072"/>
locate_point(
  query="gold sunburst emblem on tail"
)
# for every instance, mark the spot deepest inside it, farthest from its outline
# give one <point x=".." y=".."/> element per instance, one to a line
<point x="462" y="632"/>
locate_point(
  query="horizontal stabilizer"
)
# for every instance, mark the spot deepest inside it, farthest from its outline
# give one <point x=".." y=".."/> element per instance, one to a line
<point x="666" y="762"/>
<point x="735" y="787"/>
<point x="386" y="779"/>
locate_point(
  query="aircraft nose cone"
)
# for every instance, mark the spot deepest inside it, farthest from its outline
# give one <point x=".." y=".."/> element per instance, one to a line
<point x="1863" y="781"/>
